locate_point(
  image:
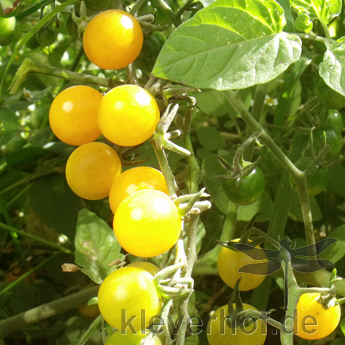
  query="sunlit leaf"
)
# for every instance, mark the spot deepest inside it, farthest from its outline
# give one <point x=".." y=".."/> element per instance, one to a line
<point x="333" y="66"/>
<point x="231" y="44"/>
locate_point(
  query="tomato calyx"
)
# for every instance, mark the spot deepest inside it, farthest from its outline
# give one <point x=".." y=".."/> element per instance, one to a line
<point x="170" y="284"/>
<point x="189" y="203"/>
<point x="161" y="137"/>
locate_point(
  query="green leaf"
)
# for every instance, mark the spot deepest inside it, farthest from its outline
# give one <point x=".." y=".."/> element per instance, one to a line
<point x="336" y="183"/>
<point x="26" y="157"/>
<point x="336" y="251"/>
<point x="10" y="123"/>
<point x="231" y="44"/>
<point x="323" y="10"/>
<point x="296" y="213"/>
<point x="333" y="66"/>
<point x="96" y="246"/>
<point x="55" y="203"/>
<point x="210" y="138"/>
<point x="342" y="325"/>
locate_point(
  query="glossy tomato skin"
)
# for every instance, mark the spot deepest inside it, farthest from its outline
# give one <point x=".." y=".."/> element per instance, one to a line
<point x="147" y="223"/>
<point x="317" y="180"/>
<point x="245" y="190"/>
<point x="46" y="37"/>
<point x="230" y="261"/>
<point x="145" y="265"/>
<point x="335" y="120"/>
<point x="219" y="333"/>
<point x="73" y="115"/>
<point x="113" y="39"/>
<point x="333" y="138"/>
<point x="119" y="338"/>
<point x="91" y="170"/>
<point x="124" y="294"/>
<point x="7" y="28"/>
<point x="313" y="320"/>
<point x="128" y="115"/>
<point x="133" y="180"/>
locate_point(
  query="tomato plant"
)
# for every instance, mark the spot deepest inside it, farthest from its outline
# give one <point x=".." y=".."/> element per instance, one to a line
<point x="142" y="216"/>
<point x="317" y="180"/>
<point x="124" y="293"/>
<point x="113" y="39"/>
<point x="230" y="261"/>
<point x="245" y="190"/>
<point x="219" y="333"/>
<point x="7" y="27"/>
<point x="128" y="115"/>
<point x="92" y="164"/>
<point x="133" y="180"/>
<point x="97" y="5"/>
<point x="73" y="115"/>
<point x="313" y="320"/>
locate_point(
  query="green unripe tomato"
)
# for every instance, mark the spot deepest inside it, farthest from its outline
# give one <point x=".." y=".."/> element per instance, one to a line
<point x="317" y="180"/>
<point x="245" y="190"/>
<point x="46" y="37"/>
<point x="303" y="23"/>
<point x="32" y="43"/>
<point x="97" y="5"/>
<point x="328" y="97"/>
<point x="335" y="120"/>
<point x="333" y="138"/>
<point x="7" y="27"/>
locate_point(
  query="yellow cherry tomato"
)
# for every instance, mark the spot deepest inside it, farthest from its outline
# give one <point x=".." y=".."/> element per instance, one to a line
<point x="230" y="261"/>
<point x="119" y="338"/>
<point x="135" y="179"/>
<point x="219" y="333"/>
<point x="128" y="115"/>
<point x="113" y="39"/>
<point x="147" y="223"/>
<point x="129" y="295"/>
<point x="73" y="115"/>
<point x="145" y="265"/>
<point x="91" y="169"/>
<point x="313" y="320"/>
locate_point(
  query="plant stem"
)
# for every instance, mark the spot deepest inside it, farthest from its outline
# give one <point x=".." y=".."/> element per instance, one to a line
<point x="29" y="66"/>
<point x="168" y="11"/>
<point x="45" y="311"/>
<point x="297" y="175"/>
<point x="91" y="330"/>
<point x="35" y="238"/>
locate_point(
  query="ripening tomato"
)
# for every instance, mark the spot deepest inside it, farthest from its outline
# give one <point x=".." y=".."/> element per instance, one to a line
<point x="133" y="180"/>
<point x="147" y="223"/>
<point x="91" y="169"/>
<point x="113" y="39"/>
<point x="219" y="333"/>
<point x="230" y="261"/>
<point x="126" y="294"/>
<point x="128" y="115"/>
<point x="73" y="115"/>
<point x="313" y="320"/>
